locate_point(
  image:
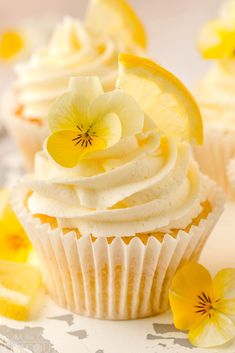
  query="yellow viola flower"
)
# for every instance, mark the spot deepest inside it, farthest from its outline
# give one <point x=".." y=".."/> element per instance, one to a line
<point x="86" y="120"/>
<point x="14" y="243"/>
<point x="204" y="306"/>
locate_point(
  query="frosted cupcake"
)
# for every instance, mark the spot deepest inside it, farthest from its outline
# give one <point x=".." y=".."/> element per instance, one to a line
<point x="116" y="203"/>
<point x="216" y="97"/>
<point x="75" y="49"/>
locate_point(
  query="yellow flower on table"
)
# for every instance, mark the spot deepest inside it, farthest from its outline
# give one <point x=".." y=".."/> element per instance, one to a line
<point x="86" y="120"/>
<point x="202" y="306"/>
<point x="14" y="243"/>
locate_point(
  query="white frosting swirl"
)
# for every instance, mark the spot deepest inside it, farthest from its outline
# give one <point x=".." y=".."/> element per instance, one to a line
<point x="216" y="94"/>
<point x="72" y="52"/>
<point x="144" y="183"/>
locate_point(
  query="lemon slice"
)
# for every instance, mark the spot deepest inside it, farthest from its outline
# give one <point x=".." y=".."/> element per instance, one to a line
<point x="116" y="19"/>
<point x="162" y="97"/>
<point x="20" y="290"/>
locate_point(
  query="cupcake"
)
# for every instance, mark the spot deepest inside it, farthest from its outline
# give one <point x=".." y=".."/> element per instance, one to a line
<point x="215" y="94"/>
<point x="116" y="203"/>
<point x="75" y="49"/>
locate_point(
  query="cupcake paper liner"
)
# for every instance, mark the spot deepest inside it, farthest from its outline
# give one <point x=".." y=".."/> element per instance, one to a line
<point x="214" y="156"/>
<point x="114" y="281"/>
<point x="28" y="135"/>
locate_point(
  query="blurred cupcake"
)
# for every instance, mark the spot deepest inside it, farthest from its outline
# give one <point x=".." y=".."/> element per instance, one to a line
<point x="116" y="204"/>
<point x="18" y="42"/>
<point x="216" y="96"/>
<point x="75" y="49"/>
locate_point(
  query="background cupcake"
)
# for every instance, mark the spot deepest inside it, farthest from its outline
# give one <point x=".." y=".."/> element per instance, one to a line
<point x="116" y="203"/>
<point x="216" y="97"/>
<point x="75" y="49"/>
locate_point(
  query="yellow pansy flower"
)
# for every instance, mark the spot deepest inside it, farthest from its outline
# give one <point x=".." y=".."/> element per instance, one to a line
<point x="86" y="120"/>
<point x="14" y="243"/>
<point x="204" y="306"/>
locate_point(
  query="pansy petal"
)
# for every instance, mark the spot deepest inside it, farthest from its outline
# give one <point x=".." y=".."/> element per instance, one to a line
<point x="66" y="150"/>
<point x="68" y="112"/>
<point x="124" y="106"/>
<point x="212" y="331"/>
<point x="109" y="129"/>
<point x="87" y="88"/>
<point x="224" y="291"/>
<point x="187" y="286"/>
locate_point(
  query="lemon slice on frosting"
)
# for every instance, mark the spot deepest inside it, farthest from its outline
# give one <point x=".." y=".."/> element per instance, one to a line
<point x="116" y="18"/>
<point x="162" y="97"/>
<point x="20" y="290"/>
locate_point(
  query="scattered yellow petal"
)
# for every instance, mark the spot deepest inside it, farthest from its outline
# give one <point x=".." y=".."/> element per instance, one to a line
<point x="20" y="291"/>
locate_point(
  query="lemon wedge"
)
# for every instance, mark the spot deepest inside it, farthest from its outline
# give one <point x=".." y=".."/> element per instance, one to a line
<point x="162" y="97"/>
<point x="20" y="290"/>
<point x="116" y="19"/>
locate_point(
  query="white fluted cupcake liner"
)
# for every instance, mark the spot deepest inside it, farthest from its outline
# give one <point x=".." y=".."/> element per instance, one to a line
<point x="28" y="135"/>
<point x="214" y="155"/>
<point x="114" y="280"/>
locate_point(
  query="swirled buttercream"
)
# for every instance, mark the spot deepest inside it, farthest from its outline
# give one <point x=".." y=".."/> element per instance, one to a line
<point x="144" y="183"/>
<point x="72" y="51"/>
<point x="216" y="94"/>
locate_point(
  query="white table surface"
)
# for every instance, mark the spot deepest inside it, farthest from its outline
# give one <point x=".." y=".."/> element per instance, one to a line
<point x="58" y="331"/>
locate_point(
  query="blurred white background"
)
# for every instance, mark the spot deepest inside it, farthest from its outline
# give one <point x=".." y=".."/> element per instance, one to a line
<point x="172" y="26"/>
